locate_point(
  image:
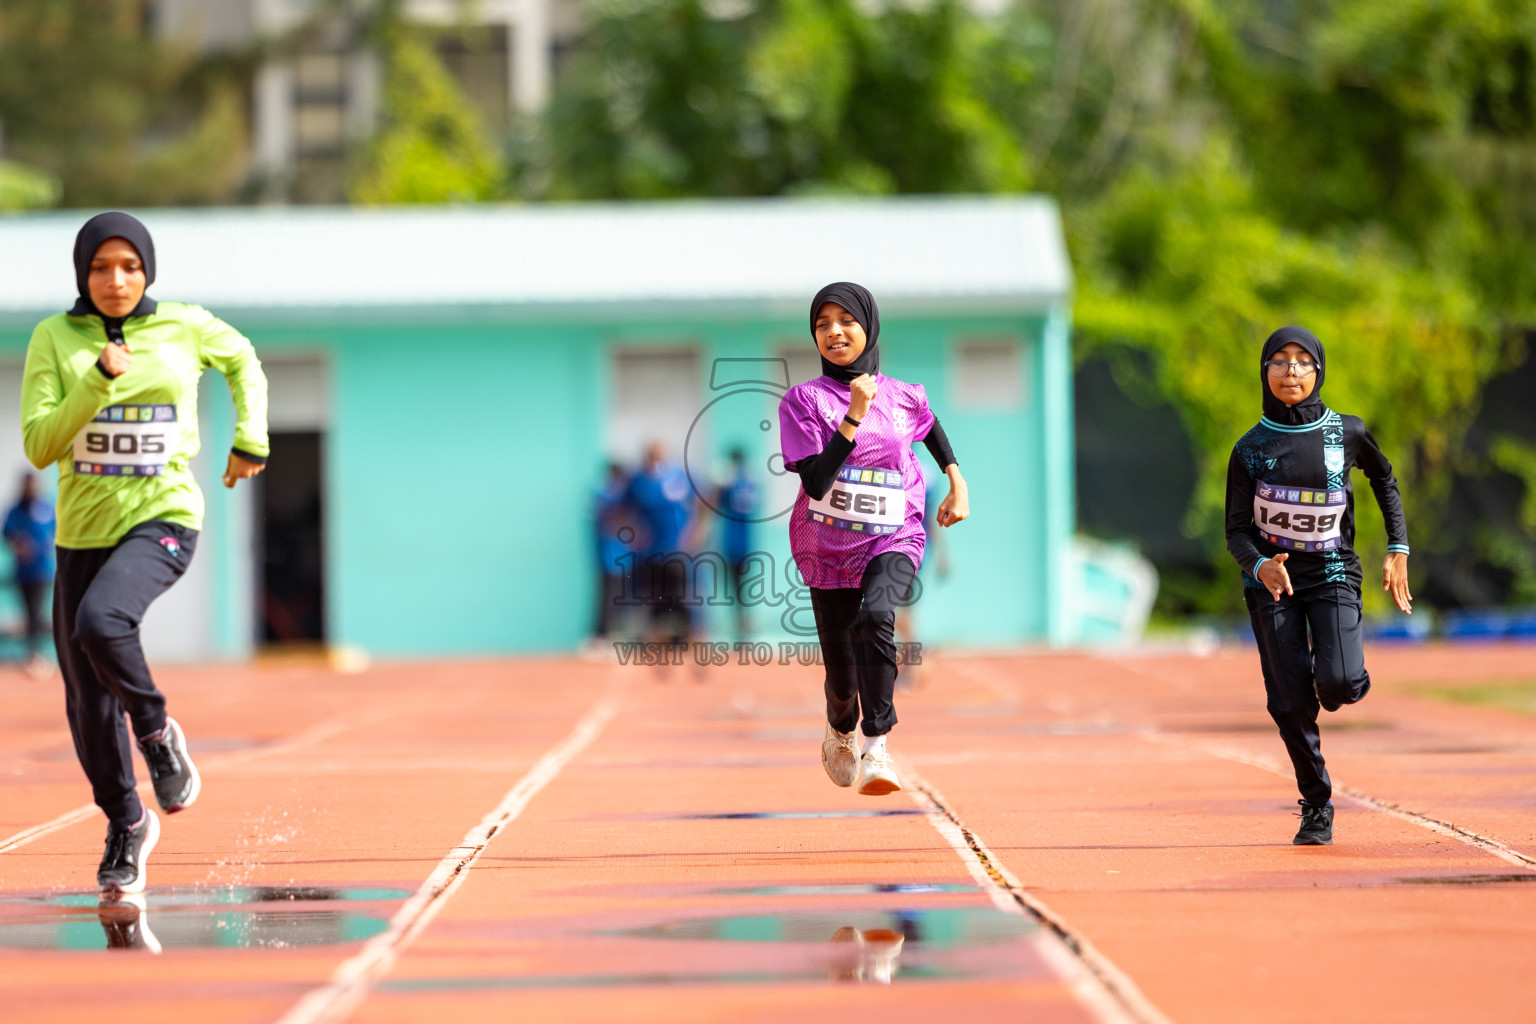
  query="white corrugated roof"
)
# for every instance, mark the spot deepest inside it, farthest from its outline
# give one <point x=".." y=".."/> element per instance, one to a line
<point x="1004" y="252"/>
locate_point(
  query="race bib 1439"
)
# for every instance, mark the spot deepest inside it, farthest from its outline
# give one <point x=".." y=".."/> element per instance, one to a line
<point x="1299" y="518"/>
<point x="863" y="499"/>
<point x="126" y="440"/>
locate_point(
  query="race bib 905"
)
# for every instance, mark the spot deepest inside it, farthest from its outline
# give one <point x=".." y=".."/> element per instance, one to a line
<point x="1299" y="518"/>
<point x="126" y="440"/>
<point x="864" y="500"/>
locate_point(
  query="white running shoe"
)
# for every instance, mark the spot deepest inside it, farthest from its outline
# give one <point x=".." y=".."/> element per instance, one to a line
<point x="840" y="755"/>
<point x="877" y="776"/>
<point x="882" y="954"/>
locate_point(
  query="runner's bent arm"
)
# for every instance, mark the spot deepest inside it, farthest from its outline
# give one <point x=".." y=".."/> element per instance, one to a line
<point x="1240" y="516"/>
<point x="818" y="471"/>
<point x="50" y="419"/>
<point x="1378" y="471"/>
<point x="231" y="353"/>
<point x="937" y="444"/>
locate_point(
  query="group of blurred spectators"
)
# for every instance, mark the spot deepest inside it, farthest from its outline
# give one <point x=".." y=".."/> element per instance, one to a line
<point x="652" y="525"/>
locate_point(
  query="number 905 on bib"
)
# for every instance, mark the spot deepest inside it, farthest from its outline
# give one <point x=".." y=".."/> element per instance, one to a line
<point x="1299" y="518"/>
<point x="126" y="440"/>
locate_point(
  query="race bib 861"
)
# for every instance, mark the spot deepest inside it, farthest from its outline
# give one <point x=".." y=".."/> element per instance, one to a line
<point x="126" y="440"/>
<point x="1299" y="518"/>
<point x="863" y="499"/>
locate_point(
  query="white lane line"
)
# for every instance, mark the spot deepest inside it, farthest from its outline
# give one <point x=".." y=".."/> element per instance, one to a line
<point x="1103" y="989"/>
<point x="63" y="821"/>
<point x="1445" y="828"/>
<point x="304" y="739"/>
<point x="351" y="981"/>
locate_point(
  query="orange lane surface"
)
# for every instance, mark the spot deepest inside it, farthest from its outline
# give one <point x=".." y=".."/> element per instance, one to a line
<point x="668" y="848"/>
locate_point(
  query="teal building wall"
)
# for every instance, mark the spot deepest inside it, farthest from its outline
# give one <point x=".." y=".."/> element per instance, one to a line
<point x="464" y="446"/>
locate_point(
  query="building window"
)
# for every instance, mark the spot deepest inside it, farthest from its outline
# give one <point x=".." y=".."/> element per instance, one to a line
<point x="802" y="359"/>
<point x="657" y="395"/>
<point x="987" y="375"/>
<point x="479" y="60"/>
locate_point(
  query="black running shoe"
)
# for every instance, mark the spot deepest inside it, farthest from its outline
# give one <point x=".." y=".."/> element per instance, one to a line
<point x="123" y="864"/>
<point x="125" y="919"/>
<point x="1316" y="825"/>
<point x="175" y="777"/>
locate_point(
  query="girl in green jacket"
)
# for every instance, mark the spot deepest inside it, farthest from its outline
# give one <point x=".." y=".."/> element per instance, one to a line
<point x="110" y="396"/>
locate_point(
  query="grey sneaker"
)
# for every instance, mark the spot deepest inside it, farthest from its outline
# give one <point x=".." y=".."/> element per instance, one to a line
<point x="172" y="771"/>
<point x="840" y="755"/>
<point x="127" y="853"/>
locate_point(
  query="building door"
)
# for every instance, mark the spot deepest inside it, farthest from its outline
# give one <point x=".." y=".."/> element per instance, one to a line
<point x="290" y="506"/>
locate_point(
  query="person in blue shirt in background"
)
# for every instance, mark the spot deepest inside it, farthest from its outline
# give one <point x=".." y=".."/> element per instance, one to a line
<point x="29" y="532"/>
<point x="611" y="523"/>
<point x="736" y="502"/>
<point x="664" y="505"/>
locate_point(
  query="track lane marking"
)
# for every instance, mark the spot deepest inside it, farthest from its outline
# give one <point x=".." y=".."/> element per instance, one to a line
<point x="215" y="762"/>
<point x="1106" y="991"/>
<point x="351" y="981"/>
<point x="1487" y="844"/>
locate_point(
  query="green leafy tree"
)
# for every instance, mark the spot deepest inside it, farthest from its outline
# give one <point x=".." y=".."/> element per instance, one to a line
<point x="688" y="97"/>
<point x="430" y="146"/>
<point x="23" y="188"/>
<point x="87" y="97"/>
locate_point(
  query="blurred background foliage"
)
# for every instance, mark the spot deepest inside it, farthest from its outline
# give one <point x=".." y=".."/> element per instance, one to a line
<point x="1365" y="169"/>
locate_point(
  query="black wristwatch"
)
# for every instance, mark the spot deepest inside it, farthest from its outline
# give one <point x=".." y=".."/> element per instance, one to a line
<point x="850" y="419"/>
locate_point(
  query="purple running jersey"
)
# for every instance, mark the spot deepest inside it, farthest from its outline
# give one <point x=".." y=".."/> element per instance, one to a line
<point x="876" y="502"/>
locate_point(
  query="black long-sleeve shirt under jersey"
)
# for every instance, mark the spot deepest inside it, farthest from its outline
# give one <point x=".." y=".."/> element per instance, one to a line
<point x="818" y="471"/>
<point x="1297" y="481"/>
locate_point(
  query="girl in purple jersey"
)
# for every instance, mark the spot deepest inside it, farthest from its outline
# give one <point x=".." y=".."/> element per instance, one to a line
<point x="857" y="527"/>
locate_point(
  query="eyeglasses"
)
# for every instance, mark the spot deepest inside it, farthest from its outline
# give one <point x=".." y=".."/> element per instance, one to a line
<point x="1280" y="367"/>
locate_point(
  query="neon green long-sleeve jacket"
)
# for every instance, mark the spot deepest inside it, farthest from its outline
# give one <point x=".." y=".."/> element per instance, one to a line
<point x="123" y="446"/>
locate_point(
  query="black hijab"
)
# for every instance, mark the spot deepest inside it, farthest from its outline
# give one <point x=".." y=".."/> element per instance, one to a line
<point x="1309" y="409"/>
<point x="96" y="231"/>
<point x="856" y="300"/>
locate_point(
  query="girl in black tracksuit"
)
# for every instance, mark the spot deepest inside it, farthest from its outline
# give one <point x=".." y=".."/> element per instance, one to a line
<point x="1291" y="528"/>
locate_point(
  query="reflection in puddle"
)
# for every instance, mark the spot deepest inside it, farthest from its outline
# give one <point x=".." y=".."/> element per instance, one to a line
<point x="871" y="956"/>
<point x="850" y="889"/>
<point x="189" y="918"/>
<point x="871" y="947"/>
<point x="940" y="927"/>
<point x="126" y="924"/>
<point x="793" y="815"/>
<point x="1467" y="879"/>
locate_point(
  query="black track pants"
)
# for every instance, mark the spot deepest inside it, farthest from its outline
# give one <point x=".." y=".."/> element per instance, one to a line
<point x="1312" y="649"/>
<point x="33" y="594"/>
<point x="857" y="628"/>
<point x="100" y="596"/>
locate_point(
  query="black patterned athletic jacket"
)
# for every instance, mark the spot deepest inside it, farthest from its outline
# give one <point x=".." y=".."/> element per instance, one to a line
<point x="1288" y="490"/>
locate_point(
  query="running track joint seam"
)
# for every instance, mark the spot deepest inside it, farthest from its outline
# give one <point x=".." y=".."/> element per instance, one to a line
<point x="1445" y="828"/>
<point x="1094" y="979"/>
<point x="351" y="981"/>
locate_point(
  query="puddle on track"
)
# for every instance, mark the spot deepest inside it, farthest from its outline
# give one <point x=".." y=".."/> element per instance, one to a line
<point x="790" y="815"/>
<point x="848" y="889"/>
<point x="963" y="926"/>
<point x="228" y="917"/>
<point x="810" y="947"/>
